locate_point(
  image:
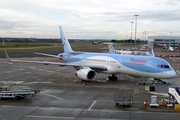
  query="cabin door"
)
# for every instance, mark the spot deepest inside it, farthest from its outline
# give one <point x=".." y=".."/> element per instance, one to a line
<point x="149" y="66"/>
<point x="119" y="63"/>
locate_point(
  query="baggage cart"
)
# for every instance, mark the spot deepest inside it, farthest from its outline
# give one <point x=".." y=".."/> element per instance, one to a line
<point x="123" y="99"/>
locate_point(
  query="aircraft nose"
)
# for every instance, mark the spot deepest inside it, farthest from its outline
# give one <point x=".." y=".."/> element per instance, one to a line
<point x="171" y="74"/>
<point x="174" y="73"/>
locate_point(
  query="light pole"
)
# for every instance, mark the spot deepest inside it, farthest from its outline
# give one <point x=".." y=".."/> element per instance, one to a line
<point x="145" y="35"/>
<point x="170" y="33"/>
<point x="131" y="31"/>
<point x="135" y="28"/>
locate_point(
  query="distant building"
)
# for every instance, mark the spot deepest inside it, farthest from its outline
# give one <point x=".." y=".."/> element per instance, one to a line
<point x="96" y="43"/>
<point x="163" y="41"/>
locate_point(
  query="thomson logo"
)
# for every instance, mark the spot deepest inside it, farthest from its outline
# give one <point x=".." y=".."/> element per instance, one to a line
<point x="137" y="61"/>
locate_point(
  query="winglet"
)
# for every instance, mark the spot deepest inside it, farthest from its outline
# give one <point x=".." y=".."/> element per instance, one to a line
<point x="152" y="52"/>
<point x="6" y="54"/>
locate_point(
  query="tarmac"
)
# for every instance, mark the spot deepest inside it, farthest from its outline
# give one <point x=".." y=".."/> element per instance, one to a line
<point x="64" y="97"/>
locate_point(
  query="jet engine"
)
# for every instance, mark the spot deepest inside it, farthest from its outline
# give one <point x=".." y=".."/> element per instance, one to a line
<point x="86" y="74"/>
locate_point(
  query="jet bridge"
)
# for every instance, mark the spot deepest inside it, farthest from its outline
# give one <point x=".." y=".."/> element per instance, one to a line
<point x="174" y="95"/>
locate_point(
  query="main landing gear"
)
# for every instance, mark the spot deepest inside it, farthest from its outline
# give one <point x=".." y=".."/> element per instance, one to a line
<point x="152" y="85"/>
<point x="112" y="78"/>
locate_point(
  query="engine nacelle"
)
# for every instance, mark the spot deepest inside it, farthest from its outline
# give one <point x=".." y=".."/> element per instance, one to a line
<point x="86" y="74"/>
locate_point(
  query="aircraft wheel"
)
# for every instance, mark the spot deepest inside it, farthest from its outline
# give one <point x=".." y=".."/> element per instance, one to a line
<point x="113" y="78"/>
<point x="110" y="77"/>
<point x="152" y="88"/>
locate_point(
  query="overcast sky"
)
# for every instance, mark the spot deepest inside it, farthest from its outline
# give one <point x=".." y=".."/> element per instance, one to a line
<point x="89" y="19"/>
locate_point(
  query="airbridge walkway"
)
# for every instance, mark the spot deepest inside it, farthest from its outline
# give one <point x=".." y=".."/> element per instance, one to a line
<point x="174" y="91"/>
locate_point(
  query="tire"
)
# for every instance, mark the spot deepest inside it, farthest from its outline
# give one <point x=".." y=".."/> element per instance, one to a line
<point x="18" y="97"/>
<point x="115" y="78"/>
<point x="110" y="77"/>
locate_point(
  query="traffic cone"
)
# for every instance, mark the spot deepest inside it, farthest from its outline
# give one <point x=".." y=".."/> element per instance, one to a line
<point x="83" y="84"/>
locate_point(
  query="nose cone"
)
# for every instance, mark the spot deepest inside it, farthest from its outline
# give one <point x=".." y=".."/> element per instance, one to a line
<point x="170" y="74"/>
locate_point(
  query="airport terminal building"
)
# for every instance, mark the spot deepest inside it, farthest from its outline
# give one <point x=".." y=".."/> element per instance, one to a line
<point x="173" y="41"/>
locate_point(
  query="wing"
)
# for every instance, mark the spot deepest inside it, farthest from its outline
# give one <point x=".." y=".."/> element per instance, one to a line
<point x="57" y="63"/>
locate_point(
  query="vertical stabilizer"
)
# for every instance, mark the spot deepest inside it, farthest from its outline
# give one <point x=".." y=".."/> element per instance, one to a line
<point x="65" y="42"/>
<point x="111" y="48"/>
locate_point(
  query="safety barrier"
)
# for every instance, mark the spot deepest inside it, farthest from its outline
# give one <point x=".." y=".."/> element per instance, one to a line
<point x="167" y="56"/>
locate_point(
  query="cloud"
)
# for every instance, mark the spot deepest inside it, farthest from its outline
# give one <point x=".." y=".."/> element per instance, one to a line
<point x="20" y="24"/>
<point x="40" y="18"/>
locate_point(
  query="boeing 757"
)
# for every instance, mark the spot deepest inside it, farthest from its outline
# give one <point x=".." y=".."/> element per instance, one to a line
<point x="87" y="64"/>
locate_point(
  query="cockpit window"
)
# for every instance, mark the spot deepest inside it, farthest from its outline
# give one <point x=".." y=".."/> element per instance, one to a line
<point x="166" y="66"/>
<point x="163" y="66"/>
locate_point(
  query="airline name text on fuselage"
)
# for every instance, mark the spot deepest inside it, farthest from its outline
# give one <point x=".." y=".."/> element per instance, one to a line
<point x="137" y="61"/>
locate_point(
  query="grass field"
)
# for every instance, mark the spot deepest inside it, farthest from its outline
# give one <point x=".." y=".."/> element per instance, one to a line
<point x="25" y="47"/>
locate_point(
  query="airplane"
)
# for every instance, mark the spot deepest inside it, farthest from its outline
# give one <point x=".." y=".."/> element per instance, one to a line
<point x="88" y="64"/>
<point x="96" y="43"/>
<point x="113" y="51"/>
<point x="170" y="48"/>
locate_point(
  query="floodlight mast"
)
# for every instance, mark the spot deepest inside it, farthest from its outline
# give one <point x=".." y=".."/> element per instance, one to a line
<point x="135" y="28"/>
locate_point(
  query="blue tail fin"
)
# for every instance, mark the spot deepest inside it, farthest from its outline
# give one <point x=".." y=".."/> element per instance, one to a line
<point x="111" y="48"/>
<point x="65" y="42"/>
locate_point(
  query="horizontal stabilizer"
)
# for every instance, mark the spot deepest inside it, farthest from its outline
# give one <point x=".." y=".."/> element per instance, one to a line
<point x="46" y="54"/>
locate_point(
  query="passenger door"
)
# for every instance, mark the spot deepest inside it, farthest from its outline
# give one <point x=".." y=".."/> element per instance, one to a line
<point x="149" y="66"/>
<point x="119" y="63"/>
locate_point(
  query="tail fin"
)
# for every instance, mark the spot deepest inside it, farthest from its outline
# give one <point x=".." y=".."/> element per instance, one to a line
<point x="65" y="42"/>
<point x="111" y="48"/>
